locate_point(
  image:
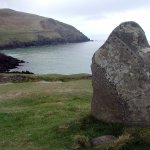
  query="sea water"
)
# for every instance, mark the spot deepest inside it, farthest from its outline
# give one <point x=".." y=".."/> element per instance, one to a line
<point x="71" y="58"/>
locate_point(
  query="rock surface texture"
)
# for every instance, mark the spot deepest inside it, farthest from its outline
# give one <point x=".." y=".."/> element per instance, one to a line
<point x="121" y="77"/>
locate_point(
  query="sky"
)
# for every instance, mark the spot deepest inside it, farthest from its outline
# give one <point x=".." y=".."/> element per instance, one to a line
<point x="94" y="18"/>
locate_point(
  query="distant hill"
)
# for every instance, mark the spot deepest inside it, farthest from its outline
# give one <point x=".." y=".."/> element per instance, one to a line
<point x="19" y="29"/>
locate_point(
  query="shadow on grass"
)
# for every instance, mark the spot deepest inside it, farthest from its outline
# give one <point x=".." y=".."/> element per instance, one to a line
<point x="128" y="137"/>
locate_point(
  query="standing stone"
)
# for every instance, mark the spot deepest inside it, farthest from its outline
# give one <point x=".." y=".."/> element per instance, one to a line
<point x="121" y="77"/>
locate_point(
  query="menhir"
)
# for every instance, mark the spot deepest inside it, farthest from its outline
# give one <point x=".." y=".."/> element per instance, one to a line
<point x="121" y="77"/>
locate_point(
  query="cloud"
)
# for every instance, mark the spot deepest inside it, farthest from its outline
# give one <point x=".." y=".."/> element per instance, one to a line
<point x="89" y="16"/>
<point x="91" y="8"/>
<point x="74" y="7"/>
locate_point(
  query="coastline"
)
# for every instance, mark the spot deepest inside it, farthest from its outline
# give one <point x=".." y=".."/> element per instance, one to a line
<point x="23" y="44"/>
<point x="7" y="63"/>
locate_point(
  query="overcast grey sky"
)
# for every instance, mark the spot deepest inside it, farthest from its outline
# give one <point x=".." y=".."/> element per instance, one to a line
<point x="95" y="18"/>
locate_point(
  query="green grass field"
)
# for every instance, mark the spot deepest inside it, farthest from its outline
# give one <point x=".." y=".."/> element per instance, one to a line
<point x="53" y="113"/>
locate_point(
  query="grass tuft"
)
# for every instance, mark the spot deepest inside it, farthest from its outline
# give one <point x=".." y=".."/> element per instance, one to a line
<point x="81" y="141"/>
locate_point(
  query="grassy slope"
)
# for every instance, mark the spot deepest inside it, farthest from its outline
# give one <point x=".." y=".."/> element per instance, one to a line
<point x="18" y="26"/>
<point x="24" y="27"/>
<point x="48" y="115"/>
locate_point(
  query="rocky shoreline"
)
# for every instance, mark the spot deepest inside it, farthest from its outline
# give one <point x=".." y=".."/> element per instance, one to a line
<point x="8" y="62"/>
<point x="42" y="42"/>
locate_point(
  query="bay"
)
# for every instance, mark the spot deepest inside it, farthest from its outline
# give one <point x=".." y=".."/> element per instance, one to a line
<point x="72" y="58"/>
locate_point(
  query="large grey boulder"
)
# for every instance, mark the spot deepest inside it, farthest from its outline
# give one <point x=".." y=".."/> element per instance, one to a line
<point x="121" y="77"/>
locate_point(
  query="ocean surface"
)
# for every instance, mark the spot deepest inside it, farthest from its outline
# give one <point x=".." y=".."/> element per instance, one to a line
<point x="69" y="58"/>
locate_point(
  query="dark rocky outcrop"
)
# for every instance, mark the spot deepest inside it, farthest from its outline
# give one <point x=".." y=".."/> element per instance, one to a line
<point x="121" y="77"/>
<point x="8" y="62"/>
<point x="18" y="29"/>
